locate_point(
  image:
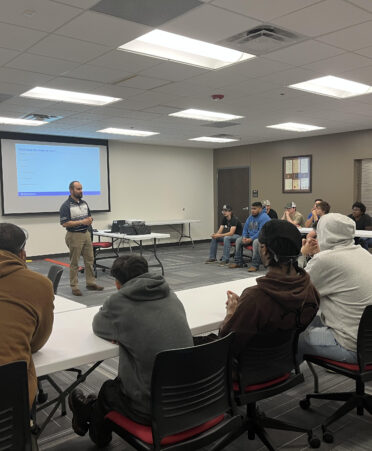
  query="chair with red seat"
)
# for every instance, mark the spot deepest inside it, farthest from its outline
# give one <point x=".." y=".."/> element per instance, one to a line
<point x="191" y="398"/>
<point x="263" y="372"/>
<point x="97" y="247"/>
<point x="360" y="372"/>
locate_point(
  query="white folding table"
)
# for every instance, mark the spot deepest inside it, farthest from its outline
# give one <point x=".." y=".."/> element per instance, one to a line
<point x="62" y="304"/>
<point x="173" y="223"/>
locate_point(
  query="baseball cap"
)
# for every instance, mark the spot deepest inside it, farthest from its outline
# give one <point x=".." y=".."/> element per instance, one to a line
<point x="274" y="232"/>
<point x="266" y="202"/>
<point x="290" y="205"/>
<point x="226" y="207"/>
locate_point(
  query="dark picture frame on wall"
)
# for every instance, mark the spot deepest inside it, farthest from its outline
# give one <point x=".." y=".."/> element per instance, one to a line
<point x="297" y="173"/>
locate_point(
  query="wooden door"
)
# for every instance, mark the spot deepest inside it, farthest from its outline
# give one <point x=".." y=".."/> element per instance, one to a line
<point x="233" y="189"/>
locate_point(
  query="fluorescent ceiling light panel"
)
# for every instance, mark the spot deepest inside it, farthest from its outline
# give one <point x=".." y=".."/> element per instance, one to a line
<point x="211" y="139"/>
<point x="333" y="87"/>
<point x="295" y="127"/>
<point x="203" y="115"/>
<point x="60" y="95"/>
<point x="174" y="47"/>
<point x="128" y="132"/>
<point x="15" y="121"/>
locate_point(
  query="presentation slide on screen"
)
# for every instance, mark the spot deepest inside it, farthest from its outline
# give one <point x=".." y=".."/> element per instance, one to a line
<point x="36" y="175"/>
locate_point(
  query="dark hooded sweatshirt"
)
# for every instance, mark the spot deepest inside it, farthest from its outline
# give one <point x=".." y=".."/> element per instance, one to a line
<point x="26" y="313"/>
<point x="145" y="317"/>
<point x="268" y="308"/>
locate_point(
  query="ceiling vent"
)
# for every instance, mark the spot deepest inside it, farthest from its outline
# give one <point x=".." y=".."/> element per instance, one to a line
<point x="221" y="124"/>
<point x="41" y="117"/>
<point x="262" y="39"/>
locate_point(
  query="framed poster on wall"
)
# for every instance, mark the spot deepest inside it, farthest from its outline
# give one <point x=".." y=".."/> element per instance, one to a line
<point x="297" y="174"/>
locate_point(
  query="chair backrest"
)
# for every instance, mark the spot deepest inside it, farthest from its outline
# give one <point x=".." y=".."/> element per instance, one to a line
<point x="268" y="358"/>
<point x="191" y="386"/>
<point x="14" y="408"/>
<point x="55" y="274"/>
<point x="364" y="343"/>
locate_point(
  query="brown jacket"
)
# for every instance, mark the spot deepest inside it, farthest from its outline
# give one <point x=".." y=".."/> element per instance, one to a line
<point x="26" y="313"/>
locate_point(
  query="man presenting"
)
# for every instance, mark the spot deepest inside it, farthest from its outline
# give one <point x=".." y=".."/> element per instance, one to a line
<point x="26" y="304"/>
<point x="251" y="231"/>
<point x="75" y="217"/>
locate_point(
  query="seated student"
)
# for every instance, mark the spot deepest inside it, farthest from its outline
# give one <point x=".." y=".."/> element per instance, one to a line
<point x="362" y="222"/>
<point x="229" y="231"/>
<point x="292" y="215"/>
<point x="269" y="211"/>
<point x="341" y="272"/>
<point x="312" y="217"/>
<point x="144" y="317"/>
<point x="26" y="304"/>
<point x="251" y="230"/>
<point x="271" y="305"/>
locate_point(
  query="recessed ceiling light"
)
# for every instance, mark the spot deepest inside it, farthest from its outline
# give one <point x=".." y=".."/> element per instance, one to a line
<point x="60" y="95"/>
<point x="213" y="140"/>
<point x="203" y="115"/>
<point x="333" y="87"/>
<point x="174" y="47"/>
<point x="128" y="132"/>
<point x="295" y="127"/>
<point x="15" y="121"/>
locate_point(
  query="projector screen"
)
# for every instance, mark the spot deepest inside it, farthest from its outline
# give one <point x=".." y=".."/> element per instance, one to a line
<point x="36" y="174"/>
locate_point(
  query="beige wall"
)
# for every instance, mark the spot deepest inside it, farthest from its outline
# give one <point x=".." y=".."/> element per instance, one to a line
<point x="147" y="182"/>
<point x="332" y="168"/>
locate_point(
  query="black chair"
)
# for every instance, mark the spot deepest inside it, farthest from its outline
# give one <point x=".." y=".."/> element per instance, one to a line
<point x="55" y="274"/>
<point x="360" y="372"/>
<point x="15" y="433"/>
<point x="264" y="372"/>
<point x="192" y="402"/>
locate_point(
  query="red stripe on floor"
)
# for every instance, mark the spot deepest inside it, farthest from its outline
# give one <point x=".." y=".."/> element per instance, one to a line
<point x="56" y="262"/>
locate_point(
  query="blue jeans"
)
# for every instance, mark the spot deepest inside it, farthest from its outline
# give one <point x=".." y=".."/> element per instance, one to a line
<point x="256" y="259"/>
<point x="365" y="242"/>
<point x="319" y="340"/>
<point x="227" y="240"/>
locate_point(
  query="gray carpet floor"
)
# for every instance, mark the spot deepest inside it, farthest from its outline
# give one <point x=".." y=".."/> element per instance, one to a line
<point x="184" y="268"/>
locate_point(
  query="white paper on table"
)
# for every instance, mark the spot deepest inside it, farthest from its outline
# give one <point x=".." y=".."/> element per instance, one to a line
<point x="288" y="184"/>
<point x="288" y="166"/>
<point x="305" y="183"/>
<point x="304" y="165"/>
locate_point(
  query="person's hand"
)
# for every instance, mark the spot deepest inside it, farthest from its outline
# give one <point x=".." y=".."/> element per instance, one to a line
<point x="287" y="215"/>
<point x="246" y="240"/>
<point x="87" y="221"/>
<point x="310" y="246"/>
<point x="232" y="302"/>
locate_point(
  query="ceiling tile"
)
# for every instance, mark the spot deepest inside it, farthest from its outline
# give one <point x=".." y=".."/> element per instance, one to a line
<point x="102" y="29"/>
<point x="118" y="91"/>
<point x="339" y="64"/>
<point x="95" y="73"/>
<point x="367" y="51"/>
<point x="263" y="9"/>
<point x="41" y="15"/>
<point x="42" y="64"/>
<point x="126" y="61"/>
<point x="173" y="71"/>
<point x="143" y="82"/>
<point x="7" y="55"/>
<point x="73" y="84"/>
<point x="153" y="13"/>
<point x="351" y="38"/>
<point x="323" y="17"/>
<point x="11" y="88"/>
<point x="289" y="77"/>
<point x="23" y="77"/>
<point x="83" y="4"/>
<point x="67" y="48"/>
<point x="18" y="38"/>
<point x="361" y="74"/>
<point x="366" y="4"/>
<point x="304" y="53"/>
<point x="209" y="23"/>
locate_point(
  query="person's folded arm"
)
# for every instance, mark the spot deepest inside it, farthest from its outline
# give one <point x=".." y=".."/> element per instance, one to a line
<point x="103" y="325"/>
<point x="45" y="319"/>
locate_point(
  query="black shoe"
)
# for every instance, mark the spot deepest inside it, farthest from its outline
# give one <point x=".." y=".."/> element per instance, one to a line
<point x="81" y="407"/>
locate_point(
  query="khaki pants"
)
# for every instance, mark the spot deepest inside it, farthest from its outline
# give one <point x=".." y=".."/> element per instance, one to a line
<point x="80" y="243"/>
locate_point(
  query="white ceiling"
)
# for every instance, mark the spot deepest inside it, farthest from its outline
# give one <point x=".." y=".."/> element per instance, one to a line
<point x="62" y="44"/>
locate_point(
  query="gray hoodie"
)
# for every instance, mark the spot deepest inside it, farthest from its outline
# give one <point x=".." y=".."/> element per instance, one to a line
<point x="144" y="317"/>
<point x="342" y="274"/>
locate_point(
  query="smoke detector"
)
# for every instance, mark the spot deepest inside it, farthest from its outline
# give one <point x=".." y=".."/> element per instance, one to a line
<point x="262" y="39"/>
<point x="41" y="117"/>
